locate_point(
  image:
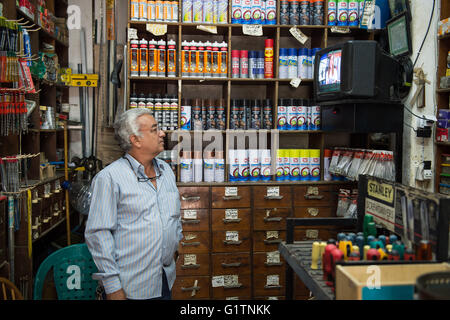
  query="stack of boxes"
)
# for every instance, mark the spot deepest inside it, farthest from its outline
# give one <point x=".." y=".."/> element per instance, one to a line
<point x="443" y="125"/>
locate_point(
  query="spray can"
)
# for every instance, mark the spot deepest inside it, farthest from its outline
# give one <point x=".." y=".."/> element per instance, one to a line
<point x="353" y="10"/>
<point x="201" y="59"/>
<point x="260" y="63"/>
<point x="185" y="115"/>
<point x="208" y="166"/>
<point x="315" y="117"/>
<point x="292" y="63"/>
<point x="281" y="114"/>
<point x="165" y="113"/>
<point x="268" y="59"/>
<point x="294" y="165"/>
<point x="142" y="101"/>
<point x="187" y="10"/>
<point x="263" y="12"/>
<point x="243" y="115"/>
<point x="161" y="58"/>
<point x="291" y="114"/>
<point x="143" y="53"/>
<point x="233" y="165"/>
<point x="280" y="166"/>
<point x="243" y="62"/>
<point x="256" y="12"/>
<point x="332" y="12"/>
<point x="267" y="121"/>
<point x="193" y="59"/>
<point x="236" y="11"/>
<point x="171" y="58"/>
<point x="143" y="10"/>
<point x="255" y="118"/>
<point x="215" y="11"/>
<point x="284" y="12"/>
<point x="308" y="115"/>
<point x="219" y="167"/>
<point x="235" y="64"/>
<point x="255" y="164"/>
<point x="204" y="111"/>
<point x="159" y="10"/>
<point x="210" y="115"/>
<point x="133" y="101"/>
<point x="310" y="65"/>
<point x="186" y="167"/>
<point x="314" y="164"/>
<point x="197" y="11"/>
<point x="283" y="64"/>
<point x="342" y="12"/>
<point x="302" y="123"/>
<point x="208" y="11"/>
<point x="234" y="114"/>
<point x="166" y="10"/>
<point x="207" y="60"/>
<point x="302" y="67"/>
<point x="271" y="11"/>
<point x="360" y="9"/>
<point x="150" y="104"/>
<point x="221" y="119"/>
<point x="305" y="12"/>
<point x="215" y="73"/>
<point x="304" y="165"/>
<point x="173" y="113"/>
<point x="185" y="59"/>
<point x="158" y="109"/>
<point x="246" y="11"/>
<point x="294" y="12"/>
<point x="327" y="153"/>
<point x="252" y="64"/>
<point x="287" y="164"/>
<point x="314" y="51"/>
<point x="266" y="163"/>
<point x="151" y="10"/>
<point x="174" y="11"/>
<point x="196" y="115"/>
<point x="134" y="13"/>
<point x="223" y="11"/>
<point x="134" y="58"/>
<point x="223" y="60"/>
<point x="317" y="8"/>
<point x="244" y="166"/>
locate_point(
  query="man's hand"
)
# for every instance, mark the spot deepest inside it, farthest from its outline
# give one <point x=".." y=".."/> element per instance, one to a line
<point x="117" y="295"/>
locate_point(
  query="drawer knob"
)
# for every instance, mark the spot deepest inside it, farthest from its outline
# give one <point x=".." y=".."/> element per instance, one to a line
<point x="231" y="265"/>
<point x="183" y="221"/>
<point x="190" y="266"/>
<point x="186" y="244"/>
<point x="273" y="197"/>
<point x="274" y="219"/>
<point x="232" y="242"/>
<point x="190" y="198"/>
<point x="233" y="286"/>
<point x="228" y="198"/>
<point x="232" y="220"/>
<point x="313" y="211"/>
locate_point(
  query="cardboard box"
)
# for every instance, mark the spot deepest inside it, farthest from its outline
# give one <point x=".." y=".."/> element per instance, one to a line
<point x="443" y="27"/>
<point x="444" y="114"/>
<point x="443" y="123"/>
<point x="381" y="282"/>
<point x="441" y="134"/>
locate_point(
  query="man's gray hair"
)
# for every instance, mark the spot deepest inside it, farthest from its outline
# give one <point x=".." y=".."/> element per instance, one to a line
<point x="126" y="125"/>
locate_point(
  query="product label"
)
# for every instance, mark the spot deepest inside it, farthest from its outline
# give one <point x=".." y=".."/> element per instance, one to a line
<point x="273" y="257"/>
<point x="252" y="30"/>
<point x="273" y="280"/>
<point x="273" y="191"/>
<point x="231" y="191"/>
<point x="217" y="281"/>
<point x="232" y="236"/>
<point x="190" y="214"/>
<point x="190" y="259"/>
<point x="132" y="34"/>
<point x="295" y="82"/>
<point x="231" y="214"/>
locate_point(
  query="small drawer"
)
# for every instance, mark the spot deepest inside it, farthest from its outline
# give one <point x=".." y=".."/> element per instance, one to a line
<point x="193" y="264"/>
<point x="268" y="262"/>
<point x="231" y="197"/>
<point x="315" y="195"/>
<point x="300" y="289"/>
<point x="191" y="288"/>
<point x="231" y="263"/>
<point x="266" y="241"/>
<point x="272" y="196"/>
<point x="314" y="212"/>
<point x="270" y="298"/>
<point x="270" y="218"/>
<point x="194" y="197"/>
<point x="313" y="233"/>
<point x="269" y="284"/>
<point x="231" y="285"/>
<point x="195" y="219"/>
<point x="226" y="219"/>
<point x="194" y="242"/>
<point x="231" y="241"/>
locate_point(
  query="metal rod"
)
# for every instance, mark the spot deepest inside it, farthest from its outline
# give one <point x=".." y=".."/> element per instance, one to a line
<point x="66" y="176"/>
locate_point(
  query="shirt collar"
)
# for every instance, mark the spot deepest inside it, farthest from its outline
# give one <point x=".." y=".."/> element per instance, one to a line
<point x="138" y="167"/>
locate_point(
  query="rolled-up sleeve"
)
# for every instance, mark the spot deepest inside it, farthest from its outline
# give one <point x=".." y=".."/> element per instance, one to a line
<point x="100" y="228"/>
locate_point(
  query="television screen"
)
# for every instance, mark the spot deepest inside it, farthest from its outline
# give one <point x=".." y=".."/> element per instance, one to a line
<point x="330" y="71"/>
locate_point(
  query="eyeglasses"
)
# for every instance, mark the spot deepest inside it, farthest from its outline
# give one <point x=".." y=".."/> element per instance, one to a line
<point x="141" y="179"/>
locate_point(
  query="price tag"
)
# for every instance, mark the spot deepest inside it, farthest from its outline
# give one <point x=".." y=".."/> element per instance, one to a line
<point x="230" y="280"/>
<point x="295" y="82"/>
<point x="273" y="257"/>
<point x="271" y="235"/>
<point x="231" y="214"/>
<point x="217" y="281"/>
<point x="190" y="259"/>
<point x="132" y="34"/>
<point x="190" y="236"/>
<point x="231" y="191"/>
<point x="252" y="30"/>
<point x="273" y="191"/>
<point x="190" y="214"/>
<point x="300" y="36"/>
<point x="273" y="280"/>
<point x="340" y="29"/>
<point x="157" y="29"/>
<point x="232" y="236"/>
<point x="210" y="29"/>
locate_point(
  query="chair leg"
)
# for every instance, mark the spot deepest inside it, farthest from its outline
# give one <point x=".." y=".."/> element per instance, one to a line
<point x="13" y="294"/>
<point x="4" y="292"/>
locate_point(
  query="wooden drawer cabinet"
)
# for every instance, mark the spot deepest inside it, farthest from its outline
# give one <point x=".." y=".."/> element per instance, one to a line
<point x="194" y="197"/>
<point x="268" y="262"/>
<point x="272" y="196"/>
<point x="193" y="264"/>
<point x="314" y="212"/>
<point x="194" y="242"/>
<point x="226" y="219"/>
<point x="231" y="241"/>
<point x="191" y="288"/>
<point x="195" y="219"/>
<point x="232" y="285"/>
<point x="270" y="218"/>
<point x="265" y="241"/>
<point x="230" y="197"/>
<point x="315" y="195"/>
<point x="231" y="263"/>
<point x="269" y="284"/>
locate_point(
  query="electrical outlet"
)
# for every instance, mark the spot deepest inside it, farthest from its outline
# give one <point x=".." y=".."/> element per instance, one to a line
<point x="427" y="174"/>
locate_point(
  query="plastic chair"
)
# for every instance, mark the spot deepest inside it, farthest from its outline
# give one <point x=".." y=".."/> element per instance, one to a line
<point x="72" y="272"/>
<point x="14" y="292"/>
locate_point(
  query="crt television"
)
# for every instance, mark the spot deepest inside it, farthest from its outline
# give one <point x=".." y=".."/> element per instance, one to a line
<point x="357" y="69"/>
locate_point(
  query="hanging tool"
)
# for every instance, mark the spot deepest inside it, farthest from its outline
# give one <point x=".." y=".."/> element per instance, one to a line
<point x="29" y="223"/>
<point x="11" y="235"/>
<point x="115" y="80"/>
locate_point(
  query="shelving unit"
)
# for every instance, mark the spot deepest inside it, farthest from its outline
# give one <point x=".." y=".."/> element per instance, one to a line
<point x="442" y="95"/>
<point x="48" y="208"/>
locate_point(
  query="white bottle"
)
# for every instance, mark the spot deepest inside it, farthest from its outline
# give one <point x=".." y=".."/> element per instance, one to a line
<point x="186" y="172"/>
<point x="198" y="166"/>
<point x="219" y="167"/>
<point x="208" y="166"/>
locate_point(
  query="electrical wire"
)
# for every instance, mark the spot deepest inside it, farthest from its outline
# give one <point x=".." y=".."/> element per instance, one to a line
<point x="426" y="34"/>
<point x="404" y="123"/>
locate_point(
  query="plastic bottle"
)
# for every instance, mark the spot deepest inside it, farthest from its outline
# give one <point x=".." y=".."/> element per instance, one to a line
<point x="256" y="12"/>
<point x="151" y="10"/>
<point x="281" y="114"/>
<point x="292" y="63"/>
<point x="260" y="62"/>
<point x="294" y="17"/>
<point x="207" y="60"/>
<point x="187" y="10"/>
<point x="219" y="167"/>
<point x="284" y="12"/>
<point x="186" y="167"/>
<point x="342" y="12"/>
<point x="255" y="164"/>
<point x="291" y="114"/>
<point x="246" y="11"/>
<point x="185" y="59"/>
<point x="134" y="13"/>
<point x="294" y="165"/>
<point x="243" y="63"/>
<point x="143" y="10"/>
<point x="185" y="114"/>
<point x="283" y="64"/>
<point x="134" y="58"/>
<point x="215" y="72"/>
<point x="208" y="11"/>
<point x="314" y="164"/>
<point x="353" y="10"/>
<point x="235" y="63"/>
<point x="271" y="12"/>
<point x="236" y="11"/>
<point x="266" y="164"/>
<point x="171" y="59"/>
<point x="279" y="174"/>
<point x="201" y="59"/>
<point x="152" y="58"/>
<point x="223" y="11"/>
<point x="197" y="11"/>
<point x="223" y="60"/>
<point x="332" y="12"/>
<point x="305" y="12"/>
<point x="161" y="58"/>
<point x="268" y="59"/>
<point x="304" y="165"/>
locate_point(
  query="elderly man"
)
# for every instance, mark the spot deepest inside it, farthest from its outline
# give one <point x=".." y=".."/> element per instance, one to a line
<point x="134" y="225"/>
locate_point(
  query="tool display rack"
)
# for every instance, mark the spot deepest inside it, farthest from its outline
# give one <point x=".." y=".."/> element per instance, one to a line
<point x="37" y="141"/>
<point x="442" y="95"/>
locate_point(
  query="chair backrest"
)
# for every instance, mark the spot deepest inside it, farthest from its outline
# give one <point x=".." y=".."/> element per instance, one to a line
<point x="8" y="290"/>
<point x="72" y="272"/>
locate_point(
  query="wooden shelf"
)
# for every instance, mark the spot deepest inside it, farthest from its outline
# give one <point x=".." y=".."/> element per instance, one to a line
<point x="444" y="37"/>
<point x="261" y="183"/>
<point x="441" y="143"/>
<point x="43" y="234"/>
<point x="443" y="90"/>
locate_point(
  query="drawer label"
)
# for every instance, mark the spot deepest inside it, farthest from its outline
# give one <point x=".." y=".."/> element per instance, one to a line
<point x="190" y="214"/>
<point x="190" y="259"/>
<point x="231" y="191"/>
<point x="313" y="211"/>
<point x="273" y="280"/>
<point x="231" y="214"/>
<point x="190" y="236"/>
<point x="232" y="298"/>
<point x="273" y="257"/>
<point x="230" y="280"/>
<point x="312" y="233"/>
<point x="271" y="235"/>
<point x="217" y="281"/>
<point x="232" y="236"/>
<point x="273" y="191"/>
<point x="312" y="191"/>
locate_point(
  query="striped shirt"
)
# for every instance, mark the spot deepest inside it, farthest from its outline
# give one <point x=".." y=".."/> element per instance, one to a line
<point x="133" y="229"/>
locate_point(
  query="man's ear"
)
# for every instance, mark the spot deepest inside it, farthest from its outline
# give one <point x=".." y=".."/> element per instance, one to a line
<point x="135" y="141"/>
